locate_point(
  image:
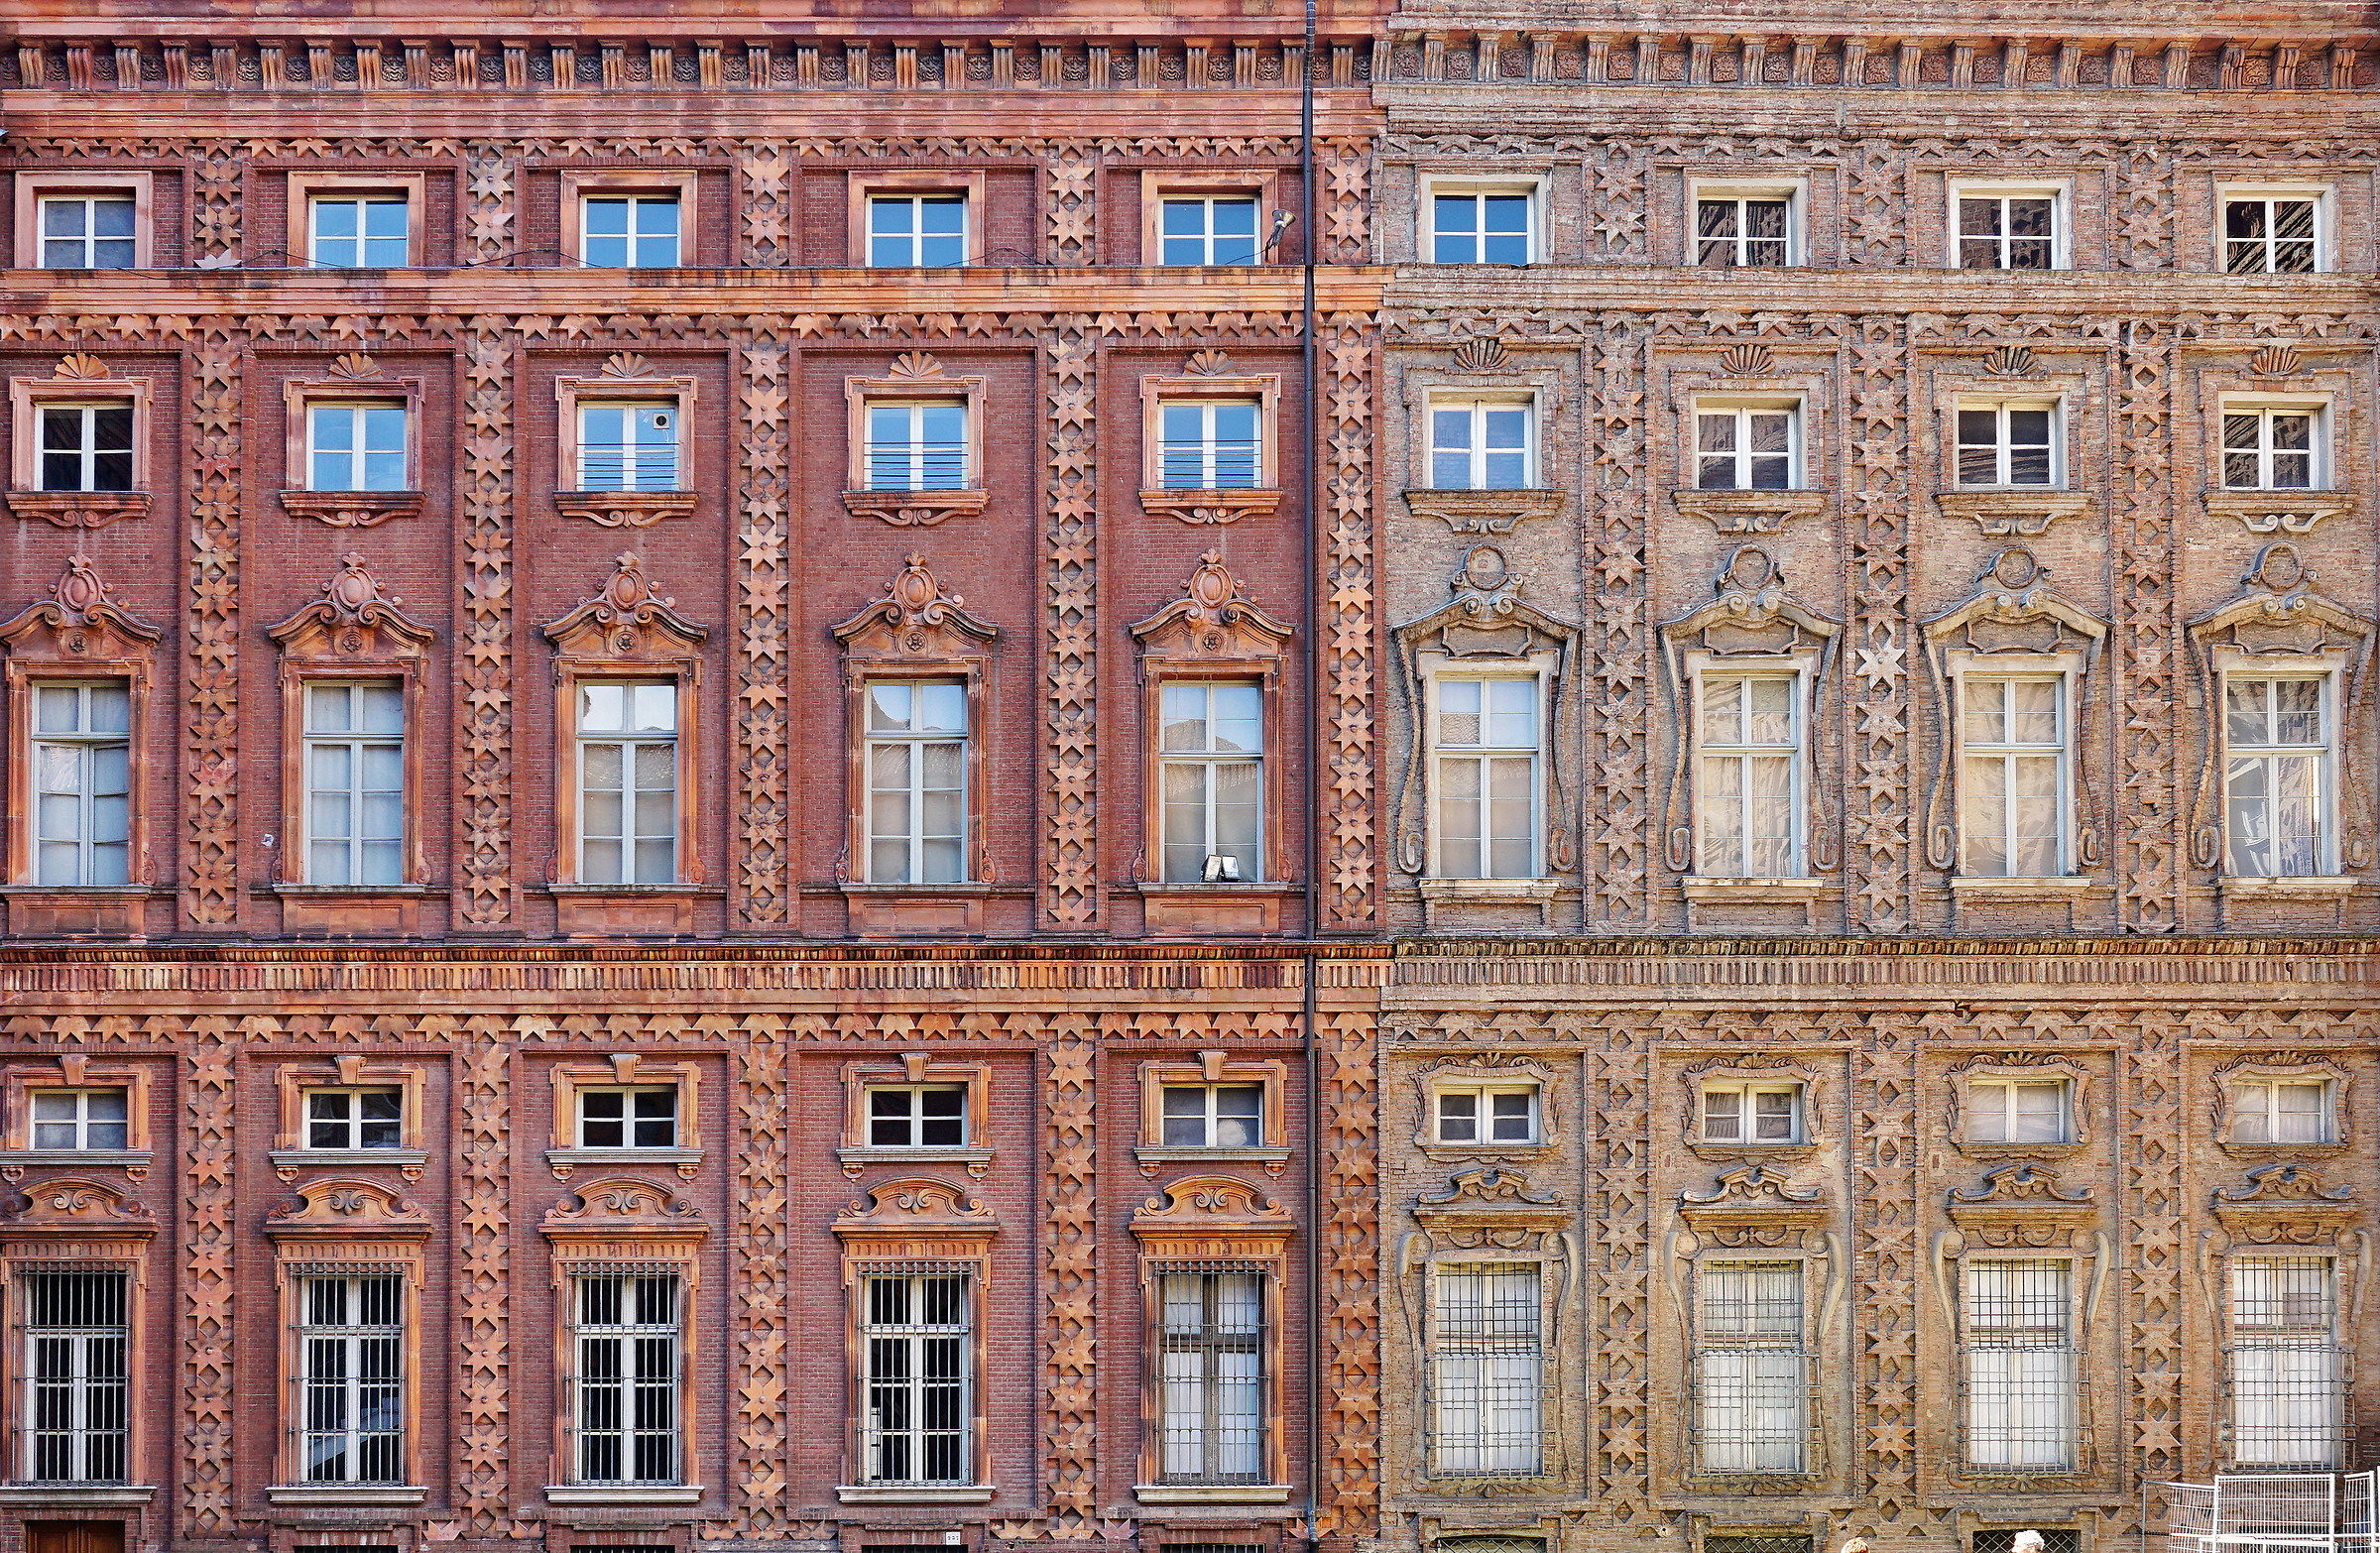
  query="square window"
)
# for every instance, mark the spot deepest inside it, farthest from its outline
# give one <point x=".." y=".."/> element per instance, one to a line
<point x="1482" y="444"/>
<point x="2271" y="234"/>
<point x="354" y="1117"/>
<point x="1487" y="1113"/>
<point x="2277" y="450"/>
<point x="355" y="445"/>
<point x="82" y="1118"/>
<point x="1747" y="447"/>
<point x="1753" y="1112"/>
<point x="1208" y="229"/>
<point x="2008" y="230"/>
<point x="88" y="232"/>
<point x="641" y="1115"/>
<point x="1742" y="232"/>
<point x="916" y="231"/>
<point x="1487" y="226"/>
<point x="359" y="231"/>
<point x="85" y="447"/>
<point x="917" y="1115"/>
<point x="2008" y="443"/>
<point x="628" y="231"/>
<point x="1212" y="1115"/>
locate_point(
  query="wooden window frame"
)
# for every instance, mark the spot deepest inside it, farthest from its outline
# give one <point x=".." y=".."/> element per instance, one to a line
<point x="1800" y="671"/>
<point x="578" y="185"/>
<point x="297" y="675"/>
<point x="304" y="187"/>
<point x="401" y="1261"/>
<point x="2066" y="670"/>
<point x="1160" y="184"/>
<point x="971" y="674"/>
<point x="1207" y="1068"/>
<point x="1533" y="183"/>
<point x="1793" y="189"/>
<point x="34" y="184"/>
<point x="300" y="393"/>
<point x="966" y="183"/>
<point x="569" y="673"/>
<point x="566" y="1080"/>
<point x="27" y="395"/>
<point x="1540" y="669"/>
<point x="2058" y="188"/>
<point x="910" y="1069"/>
<point x="292" y="1081"/>
<point x="2322" y="196"/>
<point x="1715" y="402"/>
<point x="73" y="1071"/>
<point x="21" y="673"/>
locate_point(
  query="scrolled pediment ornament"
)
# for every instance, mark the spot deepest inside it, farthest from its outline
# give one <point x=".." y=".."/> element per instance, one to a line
<point x="915" y="617"/>
<point x="69" y="1205"/>
<point x="1492" y="1207"/>
<point x="79" y="620"/>
<point x="344" y="1210"/>
<point x="1214" y="617"/>
<point x="1754" y="1194"/>
<point x="624" y="1206"/>
<point x="625" y="618"/>
<point x="352" y="618"/>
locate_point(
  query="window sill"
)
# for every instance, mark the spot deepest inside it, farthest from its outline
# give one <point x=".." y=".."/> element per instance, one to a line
<point x="2020" y="1150"/>
<point x="1209" y="507"/>
<point x="91" y="1494"/>
<point x="133" y="892"/>
<point x="78" y="508"/>
<point x="287" y="1162"/>
<point x="1456" y="1153"/>
<point x="963" y="890"/>
<point x="675" y="887"/>
<point x="2013" y="512"/>
<point x="1749" y="512"/>
<point x="914" y="509"/>
<point x="1703" y="888"/>
<point x="2279" y="511"/>
<point x="2330" y="1151"/>
<point x="1243" y="887"/>
<point x="352" y="508"/>
<point x="916" y="1493"/>
<point x="104" y="1158"/>
<point x="975" y="1160"/>
<point x="1163" y="1153"/>
<point x="624" y="509"/>
<point x="1486" y="512"/>
<point x="1702" y="1149"/>
<point x="344" y="1494"/>
<point x="623" y="1494"/>
<point x="2299" y="886"/>
<point x="1251" y="1493"/>
<point x="2019" y="884"/>
<point x="563" y="1161"/>
<point x="1489" y="889"/>
<point x="303" y="892"/>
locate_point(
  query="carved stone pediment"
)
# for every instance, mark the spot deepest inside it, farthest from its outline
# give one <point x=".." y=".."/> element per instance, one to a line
<point x="2279" y="1202"/>
<point x="1755" y="1194"/>
<point x="915" y="619"/>
<point x="2014" y="610"/>
<point x="627" y="619"/>
<point x="623" y="1208"/>
<point x="1211" y="1203"/>
<point x="347" y="1210"/>
<point x="2280" y="610"/>
<point x="70" y="1208"/>
<point x="1213" y="619"/>
<point x="1486" y="617"/>
<point x="352" y="618"/>
<point x="1492" y="1198"/>
<point x="1752" y="613"/>
<point x="78" y="620"/>
<point x="916" y="1204"/>
<point x="2020" y="1193"/>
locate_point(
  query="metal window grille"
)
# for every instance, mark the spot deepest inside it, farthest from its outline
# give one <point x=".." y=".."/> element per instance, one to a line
<point x="1749" y="776"/>
<point x="2012" y="773"/>
<point x="1213" y="1547"/>
<point x="916" y="1331"/>
<point x="352" y="1378"/>
<point x="1482" y="445"/>
<point x="1751" y="1378"/>
<point x="1483" y="1543"/>
<point x="2007" y="231"/>
<point x="1734" y="232"/>
<point x="88" y="232"/>
<point x="626" y="1340"/>
<point x="346" y="1119"/>
<point x="2021" y="1367"/>
<point x="917" y="1115"/>
<point x="355" y="781"/>
<point x="1758" y="1542"/>
<point x="2269" y="1513"/>
<point x="1211" y="1377"/>
<point x="2287" y="1370"/>
<point x="1209" y="444"/>
<point x="917" y="782"/>
<point x="1486" y="1368"/>
<point x="627" y="781"/>
<point x="622" y="1547"/>
<point x="1212" y="1115"/>
<point x="2002" y="1539"/>
<point x="1485" y="774"/>
<point x="2268" y="236"/>
<point x="1480" y="228"/>
<point x="78" y="1337"/>
<point x="82" y="782"/>
<point x="86" y="447"/>
<point x="628" y="231"/>
<point x="627" y="446"/>
<point x="642" y="1116"/>
<point x="81" y="1119"/>
<point x="1741" y="447"/>
<point x="353" y="445"/>
<point x="2268" y="449"/>
<point x="1207" y="229"/>
<point x="1211" y="781"/>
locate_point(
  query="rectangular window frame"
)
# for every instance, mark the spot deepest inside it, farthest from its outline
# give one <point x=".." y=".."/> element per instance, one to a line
<point x="1257" y="869"/>
<point x="1263" y="1344"/>
<point x="2003" y="449"/>
<point x="2323" y="464"/>
<point x="575" y="676"/>
<point x="1794" y="192"/>
<point x="1798" y="673"/>
<point x="1438" y="1348"/>
<point x="34" y="185"/>
<point x="1435" y="753"/>
<point x="21" y="1369"/>
<point x="304" y="398"/>
<point x="1797" y="442"/>
<point x="296" y="831"/>
<point x="573" y="391"/>
<point x="967" y="183"/>
<point x="859" y="676"/>
<point x="1475" y="402"/>
<point x="305" y="189"/>
<point x="2233" y="666"/>
<point x="1530" y="186"/>
<point x="2059" y="192"/>
<point x="32" y="838"/>
<point x="2068" y="1342"/>
<point x="1966" y="672"/>
<point x="28" y="396"/>
<point x="2239" y="1107"/>
<point x="579" y="184"/>
<point x="2325" y="231"/>
<point x="1709" y="1340"/>
<point x="293" y="1081"/>
<point x="23" y="1083"/>
<point x="1160" y="185"/>
<point x="1748" y="1112"/>
<point x="974" y="1444"/>
<point x="916" y="1070"/>
<point x="625" y="1070"/>
<point x="571" y="1333"/>
<point x="1484" y="1092"/>
<point x="1271" y="1077"/>
<point x="296" y="1472"/>
<point x="2278" y="1337"/>
<point x="1972" y="1109"/>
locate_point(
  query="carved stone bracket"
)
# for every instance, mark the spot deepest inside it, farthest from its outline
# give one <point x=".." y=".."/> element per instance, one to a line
<point x="1485" y="511"/>
<point x="2285" y="1203"/>
<point x="624" y="509"/>
<point x="1749" y="512"/>
<point x="79" y="508"/>
<point x="2279" y="511"/>
<point x="2013" y="514"/>
<point x="1209" y="507"/>
<point x="352" y="508"/>
<point x="914" y="509"/>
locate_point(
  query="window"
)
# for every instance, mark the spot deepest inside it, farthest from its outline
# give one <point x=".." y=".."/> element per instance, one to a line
<point x="349" y="1118"/>
<point x="1485" y="766"/>
<point x="1482" y="227"/>
<point x="2282" y="1111"/>
<point x="1760" y="1542"/>
<point x="82" y="1118"/>
<point x="355" y="445"/>
<point x="86" y="447"/>
<point x="2008" y="231"/>
<point x="2018" y="1110"/>
<point x="627" y="781"/>
<point x="1211" y="1378"/>
<point x="627" y="446"/>
<point x="82" y="782"/>
<point x="1750" y="1381"/>
<point x="1482" y="444"/>
<point x="2271" y="449"/>
<point x="2286" y="1371"/>
<point x="628" y="231"/>
<point x="352" y="1378"/>
<point x="1739" y="231"/>
<point x="1753" y="1112"/>
<point x="2002" y="1539"/>
<point x="2271" y="234"/>
<point x="1486" y="1368"/>
<point x="355" y="782"/>
<point x="625" y="1338"/>
<point x="1207" y="229"/>
<point x="1209" y="444"/>
<point x="2277" y="776"/>
<point x="1749" y="776"/>
<point x="1212" y="1115"/>
<point x="360" y="231"/>
<point x="89" y="231"/>
<point x="628" y="1116"/>
<point x="917" y="782"/>
<point x="1746" y="448"/>
<point x="917" y="1115"/>
<point x="916" y="447"/>
<point x="916" y="1406"/>
<point x="2012" y="778"/>
<point x="77" y="1342"/>
<point x="2010" y="443"/>
<point x="1487" y="1113"/>
<point x="916" y="231"/>
<point x="2021" y="1367"/>
<point x="1211" y="781"/>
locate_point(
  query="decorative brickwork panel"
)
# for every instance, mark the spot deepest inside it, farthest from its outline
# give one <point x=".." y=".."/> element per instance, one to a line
<point x="483" y="1266"/>
<point x="1070" y="1220"/>
<point x="764" y="757"/>
<point x="1617" y="654"/>
<point x="1350" y="1278"/>
<point x="209" y="1233"/>
<point x="210" y="823"/>
<point x="1070" y="895"/>
<point x="1352" y="840"/>
<point x="2151" y="819"/>
<point x="1880" y="742"/>
<point x="484" y="660"/>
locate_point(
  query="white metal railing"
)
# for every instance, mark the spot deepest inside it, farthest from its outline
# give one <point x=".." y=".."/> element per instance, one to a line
<point x="2269" y="1513"/>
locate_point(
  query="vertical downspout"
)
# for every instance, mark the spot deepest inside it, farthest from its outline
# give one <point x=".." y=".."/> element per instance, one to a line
<point x="1310" y="848"/>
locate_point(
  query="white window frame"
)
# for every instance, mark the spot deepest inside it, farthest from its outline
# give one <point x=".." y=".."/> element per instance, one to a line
<point x="637" y="1340"/>
<point x="918" y="200"/>
<point x="911" y="1386"/>
<point x="1469" y="1359"/>
<point x="2039" y="1287"/>
<point x="1794" y="674"/>
<point x="914" y="1118"/>
<point x="2267" y="1357"/>
<point x="2258" y="1096"/>
<point x="633" y="450"/>
<point x="913" y="840"/>
<point x="1748" y="1363"/>
<point x="360" y="1401"/>
<point x="1208" y="450"/>
<point x="1481" y="756"/>
<point x="1530" y="188"/>
<point x="1794" y="194"/>
<point x="1742" y="408"/>
<point x="2003" y="449"/>
<point x="2318" y="466"/>
<point x="628" y="1118"/>
<point x="631" y="838"/>
<point x="635" y="199"/>
<point x="355" y="742"/>
<point x="2326" y="252"/>
<point x="88" y="200"/>
<point x="1482" y="1097"/>
<point x="353" y="1123"/>
<point x="316" y="199"/>
<point x="1979" y="1104"/>
<point x="1477" y="405"/>
<point x="83" y="1373"/>
<point x="1209" y="763"/>
<point x="86" y="451"/>
<point x="2323" y="755"/>
<point x="1207" y="237"/>
<point x="356" y="410"/>
<point x="91" y="836"/>
<point x="2059" y="193"/>
<point x="81" y="1123"/>
<point x="920" y="473"/>
<point x="1747" y="1091"/>
<point x="2006" y="751"/>
<point x="1212" y="1386"/>
<point x="1210" y="1118"/>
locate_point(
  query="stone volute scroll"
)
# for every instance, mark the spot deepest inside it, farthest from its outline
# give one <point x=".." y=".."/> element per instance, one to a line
<point x="72" y="1209"/>
<point x="2013" y="621"/>
<point x="1491" y="1208"/>
<point x="2287" y="1204"/>
<point x="633" y="1216"/>
<point x="2021" y="1205"/>
<point x="626" y="623"/>
<point x="916" y="1218"/>
<point x="1205" y="1218"/>
<point x="2281" y="622"/>
<point x="1487" y="623"/>
<point x="1213" y="621"/>
<point x="345" y="1212"/>
<point x="79" y="622"/>
<point x="1750" y="622"/>
<point x="352" y="621"/>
